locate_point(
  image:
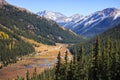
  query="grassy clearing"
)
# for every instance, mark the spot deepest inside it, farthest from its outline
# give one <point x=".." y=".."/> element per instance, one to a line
<point x="47" y="52"/>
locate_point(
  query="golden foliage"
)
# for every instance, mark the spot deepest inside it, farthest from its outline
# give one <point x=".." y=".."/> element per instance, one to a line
<point x="3" y="35"/>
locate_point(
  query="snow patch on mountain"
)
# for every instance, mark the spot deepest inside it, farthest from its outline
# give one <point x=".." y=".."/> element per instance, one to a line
<point x="58" y="17"/>
<point x="117" y="15"/>
<point x="90" y="25"/>
<point x="97" y="22"/>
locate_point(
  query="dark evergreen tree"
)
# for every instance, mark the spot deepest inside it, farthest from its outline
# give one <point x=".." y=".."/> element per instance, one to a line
<point x="70" y="71"/>
<point x="75" y="68"/>
<point x="108" y="58"/>
<point x="58" y="68"/>
<point x="66" y="67"/>
<point x="95" y="61"/>
<point x="115" y="66"/>
<point x="81" y="66"/>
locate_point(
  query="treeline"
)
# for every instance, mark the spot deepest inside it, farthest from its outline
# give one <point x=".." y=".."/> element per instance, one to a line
<point x="103" y="63"/>
<point x="113" y="34"/>
<point x="11" y="48"/>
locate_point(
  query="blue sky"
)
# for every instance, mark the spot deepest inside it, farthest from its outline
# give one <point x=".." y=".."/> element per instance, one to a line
<point x="67" y="7"/>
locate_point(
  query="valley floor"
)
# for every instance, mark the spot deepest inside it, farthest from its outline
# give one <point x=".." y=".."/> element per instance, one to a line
<point x="44" y="57"/>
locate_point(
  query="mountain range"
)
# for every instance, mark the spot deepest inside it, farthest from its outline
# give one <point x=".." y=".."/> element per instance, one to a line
<point x="88" y="26"/>
<point x="60" y="18"/>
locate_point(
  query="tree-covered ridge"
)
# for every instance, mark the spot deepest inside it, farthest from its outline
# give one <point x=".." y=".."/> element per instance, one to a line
<point x="34" y="27"/>
<point x="12" y="47"/>
<point x="113" y="34"/>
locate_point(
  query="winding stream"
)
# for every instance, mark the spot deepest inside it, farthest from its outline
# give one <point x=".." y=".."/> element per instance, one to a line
<point x="45" y="63"/>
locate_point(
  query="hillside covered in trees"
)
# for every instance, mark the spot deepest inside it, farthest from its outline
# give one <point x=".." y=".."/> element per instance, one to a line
<point x="113" y="34"/>
<point x="17" y="22"/>
<point x="12" y="47"/>
<point x="29" y="25"/>
<point x="102" y="62"/>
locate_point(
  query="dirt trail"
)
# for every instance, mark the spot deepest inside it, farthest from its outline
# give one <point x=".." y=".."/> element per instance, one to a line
<point x="44" y="57"/>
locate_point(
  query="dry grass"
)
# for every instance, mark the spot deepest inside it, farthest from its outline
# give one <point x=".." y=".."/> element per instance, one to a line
<point x="46" y="52"/>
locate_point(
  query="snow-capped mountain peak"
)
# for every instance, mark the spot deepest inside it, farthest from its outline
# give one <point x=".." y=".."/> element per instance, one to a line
<point x="101" y="15"/>
<point x="51" y="15"/>
<point x="109" y="11"/>
<point x="97" y="22"/>
<point x="59" y="17"/>
<point x="88" y="26"/>
<point x="77" y="17"/>
<point x="114" y="12"/>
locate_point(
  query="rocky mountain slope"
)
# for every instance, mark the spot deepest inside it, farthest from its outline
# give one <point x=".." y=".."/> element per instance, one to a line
<point x="91" y="25"/>
<point x="98" y="22"/>
<point x="60" y="18"/>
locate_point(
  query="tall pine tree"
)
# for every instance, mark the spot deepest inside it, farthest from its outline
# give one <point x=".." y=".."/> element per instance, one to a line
<point x="58" y="68"/>
<point x="95" y="60"/>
